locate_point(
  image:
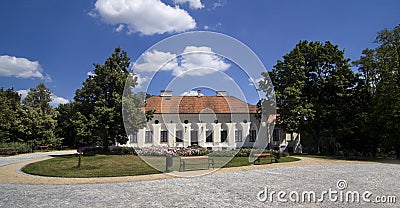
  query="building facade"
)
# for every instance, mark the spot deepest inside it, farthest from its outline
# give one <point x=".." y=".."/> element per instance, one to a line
<point x="219" y="122"/>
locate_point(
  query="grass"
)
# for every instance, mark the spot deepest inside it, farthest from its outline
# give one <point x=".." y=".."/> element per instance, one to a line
<point x="332" y="157"/>
<point x="119" y="165"/>
<point x="92" y="166"/>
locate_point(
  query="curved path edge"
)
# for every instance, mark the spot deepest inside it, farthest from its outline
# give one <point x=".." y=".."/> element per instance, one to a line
<point x="12" y="173"/>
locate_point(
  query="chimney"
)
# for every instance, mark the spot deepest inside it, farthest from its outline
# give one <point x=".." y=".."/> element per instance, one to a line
<point x="221" y="93"/>
<point x="166" y="93"/>
<point x="198" y="93"/>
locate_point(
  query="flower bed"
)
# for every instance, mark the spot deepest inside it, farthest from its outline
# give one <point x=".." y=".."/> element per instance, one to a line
<point x="173" y="151"/>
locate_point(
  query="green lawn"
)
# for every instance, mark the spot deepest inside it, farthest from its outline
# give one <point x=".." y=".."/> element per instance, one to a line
<point x="119" y="165"/>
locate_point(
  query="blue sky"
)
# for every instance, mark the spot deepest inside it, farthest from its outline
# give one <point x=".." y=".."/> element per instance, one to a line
<point x="56" y="42"/>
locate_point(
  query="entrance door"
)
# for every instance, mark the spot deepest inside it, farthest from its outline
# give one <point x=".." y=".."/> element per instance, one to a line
<point x="194" y="138"/>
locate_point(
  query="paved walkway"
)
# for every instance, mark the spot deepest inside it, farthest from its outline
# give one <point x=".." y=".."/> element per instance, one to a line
<point x="28" y="157"/>
<point x="231" y="187"/>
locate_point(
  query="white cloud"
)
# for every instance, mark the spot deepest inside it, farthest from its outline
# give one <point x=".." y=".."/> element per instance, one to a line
<point x="215" y="27"/>
<point x="194" y="61"/>
<point x="147" y="17"/>
<point x="203" y="59"/>
<point x="193" y="4"/>
<point x="220" y="3"/>
<point x="255" y="81"/>
<point x="22" y="93"/>
<point x="155" y="59"/>
<point x="191" y="93"/>
<point x="11" y="66"/>
<point x="140" y="80"/>
<point x="91" y="74"/>
<point x="55" y="100"/>
<point x="119" y="28"/>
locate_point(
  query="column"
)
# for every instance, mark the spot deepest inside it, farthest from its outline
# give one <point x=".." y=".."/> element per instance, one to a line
<point x="202" y="134"/>
<point x="186" y="134"/>
<point x="216" y="134"/>
<point x="262" y="136"/>
<point x="171" y="127"/>
<point x="140" y="139"/>
<point x="231" y="135"/>
<point x="245" y="131"/>
<point x="156" y="134"/>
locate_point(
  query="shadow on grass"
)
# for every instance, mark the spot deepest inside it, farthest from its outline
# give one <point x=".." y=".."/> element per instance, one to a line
<point x="64" y="156"/>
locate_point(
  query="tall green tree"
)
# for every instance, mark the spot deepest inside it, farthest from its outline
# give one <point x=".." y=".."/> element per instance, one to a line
<point x="100" y="101"/>
<point x="38" y="98"/>
<point x="65" y="128"/>
<point x="38" y="118"/>
<point x="312" y="84"/>
<point x="9" y="109"/>
<point x="385" y="116"/>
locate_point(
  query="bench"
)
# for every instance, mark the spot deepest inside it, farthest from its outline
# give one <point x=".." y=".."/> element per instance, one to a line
<point x="46" y="148"/>
<point x="8" y="151"/>
<point x="264" y="156"/>
<point x="195" y="160"/>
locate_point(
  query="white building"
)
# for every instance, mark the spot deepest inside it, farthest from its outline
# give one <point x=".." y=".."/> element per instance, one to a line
<point x="215" y="122"/>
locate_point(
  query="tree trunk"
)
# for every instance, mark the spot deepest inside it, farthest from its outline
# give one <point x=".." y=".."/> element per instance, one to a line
<point x="79" y="159"/>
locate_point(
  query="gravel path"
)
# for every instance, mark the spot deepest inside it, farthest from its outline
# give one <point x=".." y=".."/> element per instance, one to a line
<point x="34" y="156"/>
<point x="224" y="189"/>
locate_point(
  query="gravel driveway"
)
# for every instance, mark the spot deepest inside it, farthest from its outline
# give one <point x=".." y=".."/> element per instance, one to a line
<point x="227" y="189"/>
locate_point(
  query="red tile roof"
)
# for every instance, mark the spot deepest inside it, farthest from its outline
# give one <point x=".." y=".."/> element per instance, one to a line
<point x="195" y="105"/>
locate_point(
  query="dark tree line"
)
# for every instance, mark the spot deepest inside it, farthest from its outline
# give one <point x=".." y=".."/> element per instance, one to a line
<point x="334" y="108"/>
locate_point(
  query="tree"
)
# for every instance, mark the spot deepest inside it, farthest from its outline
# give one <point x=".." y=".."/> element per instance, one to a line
<point x="38" y="98"/>
<point x="384" y="121"/>
<point x="38" y="118"/>
<point x="313" y="84"/>
<point x="65" y="127"/>
<point x="134" y="118"/>
<point x="9" y="108"/>
<point x="100" y="101"/>
<point x="367" y="67"/>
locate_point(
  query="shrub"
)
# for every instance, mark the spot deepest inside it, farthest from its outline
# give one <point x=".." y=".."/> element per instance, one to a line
<point x="111" y="151"/>
<point x="122" y="151"/>
<point x="18" y="147"/>
<point x="244" y="152"/>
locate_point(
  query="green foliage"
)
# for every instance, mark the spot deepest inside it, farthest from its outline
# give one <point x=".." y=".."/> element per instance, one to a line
<point x="65" y="127"/>
<point x="313" y="84"/>
<point x="99" y="104"/>
<point x="384" y="118"/>
<point x="9" y="108"/>
<point x="38" y="118"/>
<point x="149" y="114"/>
<point x="38" y="98"/>
<point x="34" y="121"/>
<point x="17" y="147"/>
